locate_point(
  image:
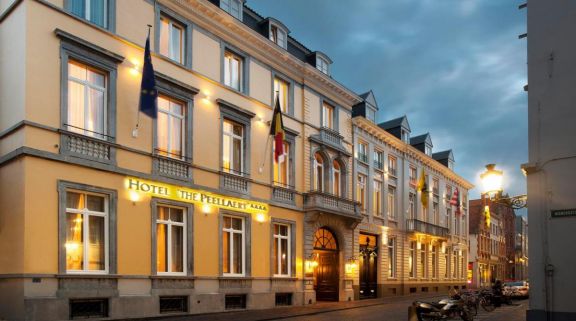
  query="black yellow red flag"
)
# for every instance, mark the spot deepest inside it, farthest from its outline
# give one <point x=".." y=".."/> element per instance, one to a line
<point x="277" y="130"/>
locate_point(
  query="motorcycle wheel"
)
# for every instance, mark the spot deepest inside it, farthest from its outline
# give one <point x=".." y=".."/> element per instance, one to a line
<point x="473" y="308"/>
<point x="466" y="315"/>
<point x="487" y="305"/>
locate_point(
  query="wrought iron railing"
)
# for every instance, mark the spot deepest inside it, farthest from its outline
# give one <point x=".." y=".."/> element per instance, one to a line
<point x="392" y="171"/>
<point x="362" y="157"/>
<point x="414" y="225"/>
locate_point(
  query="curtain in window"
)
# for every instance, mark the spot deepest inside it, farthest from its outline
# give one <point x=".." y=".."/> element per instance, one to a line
<point x="237" y="268"/>
<point x="96" y="252"/>
<point x="77" y="7"/>
<point x="177" y="249"/>
<point x="98" y="12"/>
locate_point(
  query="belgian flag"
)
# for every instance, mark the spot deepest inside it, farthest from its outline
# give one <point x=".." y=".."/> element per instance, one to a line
<point x="277" y="130"/>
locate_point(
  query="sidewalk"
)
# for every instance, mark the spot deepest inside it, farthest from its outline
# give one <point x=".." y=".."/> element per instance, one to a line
<point x="295" y="311"/>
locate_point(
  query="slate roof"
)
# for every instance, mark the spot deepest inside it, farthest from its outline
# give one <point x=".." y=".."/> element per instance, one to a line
<point x="447" y="154"/>
<point x="394" y="123"/>
<point x="421" y="139"/>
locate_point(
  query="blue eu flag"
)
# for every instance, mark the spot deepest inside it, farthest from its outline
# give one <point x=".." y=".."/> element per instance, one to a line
<point x="148" y="93"/>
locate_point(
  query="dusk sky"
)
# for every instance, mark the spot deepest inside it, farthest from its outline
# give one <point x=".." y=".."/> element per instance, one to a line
<point x="456" y="68"/>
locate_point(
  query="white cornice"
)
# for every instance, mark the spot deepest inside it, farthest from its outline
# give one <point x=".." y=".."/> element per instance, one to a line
<point x="409" y="150"/>
<point x="226" y="27"/>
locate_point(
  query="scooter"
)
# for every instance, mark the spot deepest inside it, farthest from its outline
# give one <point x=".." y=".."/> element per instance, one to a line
<point x="444" y="309"/>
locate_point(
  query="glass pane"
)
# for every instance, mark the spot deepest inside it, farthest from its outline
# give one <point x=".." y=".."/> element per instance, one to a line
<point x="237" y="264"/>
<point x="226" y="157"/>
<point x="163" y="213"/>
<point x="97" y="12"/>
<point x="164" y="37"/>
<point x="76" y="70"/>
<point x="95" y="203"/>
<point x="95" y="117"/>
<point x="227" y="222"/>
<point x="176" y="44"/>
<point x="74" y="200"/>
<point x="162" y="133"/>
<point x="226" y="252"/>
<point x="176" y="136"/>
<point x="177" y="249"/>
<point x="284" y="256"/>
<point x="237" y="224"/>
<point x="237" y="155"/>
<point x="238" y="130"/>
<point x="96" y="246"/>
<point x="74" y="242"/>
<point x="177" y="215"/>
<point x="176" y="108"/>
<point x="96" y="78"/>
<point x="163" y="103"/>
<point x="161" y="245"/>
<point x="275" y="257"/>
<point x="76" y="100"/>
<point x="235" y="74"/>
<point x="77" y="7"/>
<point x="283" y="230"/>
<point x="227" y="70"/>
<point x="227" y="126"/>
<point x="276" y="229"/>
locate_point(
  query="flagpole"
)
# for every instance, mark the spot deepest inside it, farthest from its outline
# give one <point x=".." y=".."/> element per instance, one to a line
<point x="261" y="168"/>
<point x="135" y="131"/>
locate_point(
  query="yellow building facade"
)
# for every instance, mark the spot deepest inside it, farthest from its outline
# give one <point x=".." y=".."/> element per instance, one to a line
<point x="108" y="213"/>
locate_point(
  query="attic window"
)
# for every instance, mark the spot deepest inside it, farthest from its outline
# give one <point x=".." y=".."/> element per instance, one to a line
<point x="278" y="36"/>
<point x="428" y="150"/>
<point x="405" y="136"/>
<point x="233" y="7"/>
<point x="371" y="114"/>
<point x="450" y="164"/>
<point x="322" y="65"/>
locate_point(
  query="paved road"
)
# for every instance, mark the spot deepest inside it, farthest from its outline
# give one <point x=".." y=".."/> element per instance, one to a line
<point x="389" y="309"/>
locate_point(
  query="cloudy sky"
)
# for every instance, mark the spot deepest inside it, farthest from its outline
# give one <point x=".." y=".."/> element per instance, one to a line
<point x="456" y="68"/>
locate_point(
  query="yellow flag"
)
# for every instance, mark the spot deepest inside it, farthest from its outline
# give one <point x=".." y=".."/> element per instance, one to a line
<point x="423" y="188"/>
<point x="487" y="215"/>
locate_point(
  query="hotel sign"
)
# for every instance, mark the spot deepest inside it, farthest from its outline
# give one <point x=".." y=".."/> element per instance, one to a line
<point x="188" y="195"/>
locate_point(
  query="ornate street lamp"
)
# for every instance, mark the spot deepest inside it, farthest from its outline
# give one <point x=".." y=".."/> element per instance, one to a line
<point x="492" y="182"/>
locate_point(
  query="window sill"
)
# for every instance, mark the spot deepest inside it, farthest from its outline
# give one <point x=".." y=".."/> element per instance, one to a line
<point x="169" y="276"/>
<point x="235" y="277"/>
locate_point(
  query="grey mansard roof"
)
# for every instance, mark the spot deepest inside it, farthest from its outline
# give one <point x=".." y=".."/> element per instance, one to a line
<point x="444" y="155"/>
<point x="395" y="123"/>
<point x="421" y="139"/>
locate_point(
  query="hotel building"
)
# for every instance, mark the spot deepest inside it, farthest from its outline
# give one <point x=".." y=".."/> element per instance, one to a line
<point x="108" y="213"/>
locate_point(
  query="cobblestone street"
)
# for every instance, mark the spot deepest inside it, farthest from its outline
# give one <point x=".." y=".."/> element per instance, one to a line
<point x="389" y="309"/>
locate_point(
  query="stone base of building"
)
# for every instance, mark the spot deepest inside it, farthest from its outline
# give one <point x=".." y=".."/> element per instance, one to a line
<point x="51" y="298"/>
<point x="541" y="315"/>
<point x="389" y="290"/>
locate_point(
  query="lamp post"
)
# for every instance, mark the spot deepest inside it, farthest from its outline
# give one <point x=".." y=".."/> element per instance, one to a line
<point x="492" y="181"/>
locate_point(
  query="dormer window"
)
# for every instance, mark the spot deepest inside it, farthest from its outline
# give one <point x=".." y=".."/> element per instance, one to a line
<point x="371" y="114"/>
<point x="322" y="65"/>
<point x="278" y="36"/>
<point x="428" y="150"/>
<point x="451" y="165"/>
<point x="405" y="136"/>
<point x="233" y="7"/>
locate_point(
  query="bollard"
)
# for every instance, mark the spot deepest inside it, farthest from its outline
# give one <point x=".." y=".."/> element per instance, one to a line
<point x="412" y="313"/>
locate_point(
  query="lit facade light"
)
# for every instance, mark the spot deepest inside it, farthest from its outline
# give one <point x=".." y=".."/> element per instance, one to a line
<point x="134" y="196"/>
<point x="206" y="209"/>
<point x="261" y="217"/>
<point x="491" y="180"/>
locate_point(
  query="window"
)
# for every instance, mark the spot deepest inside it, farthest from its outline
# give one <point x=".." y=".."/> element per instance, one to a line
<point x="233" y="246"/>
<point x="327" y="115"/>
<point x="392" y="166"/>
<point x="361" y="191"/>
<point x="434" y="261"/>
<point x="318" y="173"/>
<point x="435" y="186"/>
<point x="322" y="65"/>
<point x="371" y="114"/>
<point x="391" y="205"/>
<point x="171" y="42"/>
<point x="233" y="70"/>
<point x="391" y="257"/>
<point x="282" y="167"/>
<point x="278" y="36"/>
<point x="405" y="136"/>
<point x="170" y="240"/>
<point x="233" y="147"/>
<point x="424" y="212"/>
<point x="87" y="99"/>
<point x="412" y="260"/>
<point x="450" y="165"/>
<point x="95" y="11"/>
<point x="436" y="210"/>
<point x="412" y="205"/>
<point x="428" y="150"/>
<point x="282" y="91"/>
<point x="336" y="178"/>
<point x="86" y="232"/>
<point x="282" y="255"/>
<point x="456" y="224"/>
<point x="362" y="152"/>
<point x="455" y="264"/>
<point x="448" y="217"/>
<point x="424" y="260"/>
<point x="412" y="176"/>
<point x="446" y="263"/>
<point x="233" y="7"/>
<point x="171" y="127"/>
<point x="378" y="159"/>
<point x="377" y="198"/>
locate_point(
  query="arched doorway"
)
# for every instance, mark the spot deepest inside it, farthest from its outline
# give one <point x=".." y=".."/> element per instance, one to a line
<point x="327" y="272"/>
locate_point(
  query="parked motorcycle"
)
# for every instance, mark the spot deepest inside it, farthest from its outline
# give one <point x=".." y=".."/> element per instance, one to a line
<point x="444" y="309"/>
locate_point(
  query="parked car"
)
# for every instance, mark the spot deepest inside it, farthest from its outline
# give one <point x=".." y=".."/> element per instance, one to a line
<point x="517" y="289"/>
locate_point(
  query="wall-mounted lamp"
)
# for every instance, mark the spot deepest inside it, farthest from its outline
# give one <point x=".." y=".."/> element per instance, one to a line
<point x="261" y="217"/>
<point x="134" y="197"/>
<point x="310" y="264"/>
<point x="206" y="209"/>
<point x="136" y="69"/>
<point x="350" y="266"/>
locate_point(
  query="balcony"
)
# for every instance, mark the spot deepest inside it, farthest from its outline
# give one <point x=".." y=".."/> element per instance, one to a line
<point x="330" y="136"/>
<point x="413" y="225"/>
<point x="165" y="165"/>
<point x="324" y="202"/>
<point x="238" y="183"/>
<point x="84" y="146"/>
<point x="378" y="165"/>
<point x="362" y="157"/>
<point x="283" y="193"/>
<point x="392" y="172"/>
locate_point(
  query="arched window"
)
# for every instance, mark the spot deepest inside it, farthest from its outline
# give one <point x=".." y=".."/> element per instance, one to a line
<point x="318" y="172"/>
<point x="325" y="240"/>
<point x="336" y="178"/>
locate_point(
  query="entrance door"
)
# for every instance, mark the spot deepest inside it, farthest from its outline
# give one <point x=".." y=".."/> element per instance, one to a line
<point x="327" y="276"/>
<point x="326" y="273"/>
<point x="368" y="273"/>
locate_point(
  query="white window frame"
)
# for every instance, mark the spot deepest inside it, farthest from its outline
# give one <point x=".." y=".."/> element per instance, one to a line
<point x="318" y="174"/>
<point x="182" y="119"/>
<point x="412" y="206"/>
<point x="284" y="158"/>
<point x="362" y="150"/>
<point x="436" y="212"/>
<point x="391" y="202"/>
<point x="328" y="112"/>
<point x="392" y="165"/>
<point x="277" y="81"/>
<point x="229" y="57"/>
<point x="412" y="252"/>
<point x="434" y="252"/>
<point x="87" y="7"/>
<point x="169" y="223"/>
<point x="232" y="137"/>
<point x="85" y="231"/>
<point x="423" y="260"/>
<point x="87" y="85"/>
<point x="361" y="191"/>
<point x="379" y="159"/>
<point x="377" y="195"/>
<point x="275" y="37"/>
<point x="392" y="258"/>
<point x="232" y="231"/>
<point x="322" y="65"/>
<point x="278" y="239"/>
<point x="428" y="150"/>
<point x="227" y="5"/>
<point x="336" y="182"/>
<point x="173" y="24"/>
